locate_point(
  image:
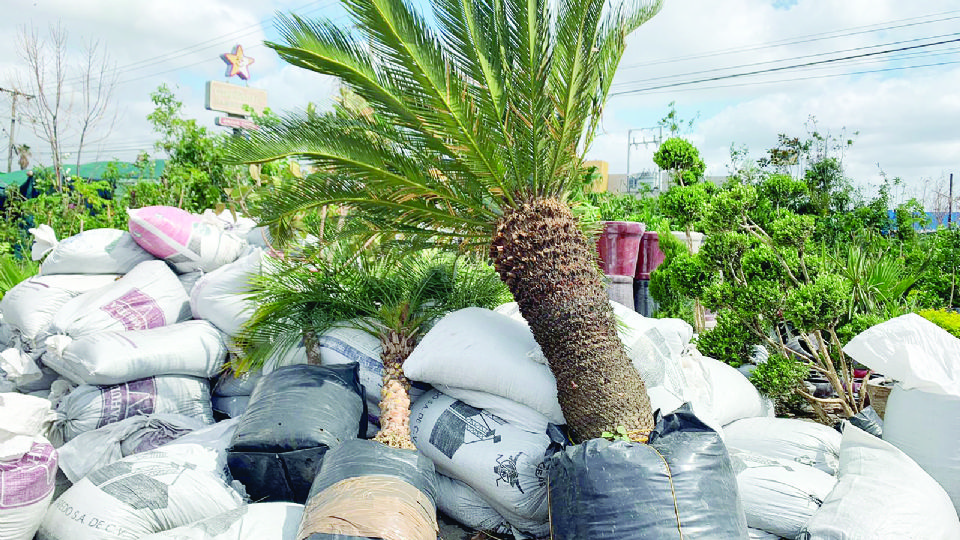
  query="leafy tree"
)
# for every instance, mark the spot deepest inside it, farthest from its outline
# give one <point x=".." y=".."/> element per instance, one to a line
<point x="195" y="174"/>
<point x="682" y="159"/>
<point x="392" y="297"/>
<point x="476" y="141"/>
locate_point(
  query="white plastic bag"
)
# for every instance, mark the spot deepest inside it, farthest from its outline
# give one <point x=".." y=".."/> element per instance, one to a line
<point x="912" y="350"/>
<point x="260" y="521"/>
<point x="480" y="349"/>
<point x="734" y="396"/>
<point x="139" y="495"/>
<point x="464" y="504"/>
<point x="149" y="296"/>
<point x="91" y="407"/>
<point x="220" y="296"/>
<point x="779" y="496"/>
<point x="501" y="462"/>
<point x="807" y="443"/>
<point x="19" y="367"/>
<point x="922" y="415"/>
<point x="94" y="449"/>
<point x="183" y="239"/>
<point x="26" y="488"/>
<point x="194" y="348"/>
<point x="95" y="251"/>
<point x="29" y="307"/>
<point x="22" y="419"/>
<point x="881" y="494"/>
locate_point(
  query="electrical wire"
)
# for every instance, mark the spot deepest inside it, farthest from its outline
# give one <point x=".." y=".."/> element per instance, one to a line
<point x="780" y="68"/>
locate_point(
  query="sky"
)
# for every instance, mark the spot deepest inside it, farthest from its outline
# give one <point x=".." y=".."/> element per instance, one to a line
<point x="900" y="107"/>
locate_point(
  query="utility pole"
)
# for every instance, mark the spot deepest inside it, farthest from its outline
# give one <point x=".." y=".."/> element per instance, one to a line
<point x="656" y="137"/>
<point x="14" y="94"/>
<point x="950" y="202"/>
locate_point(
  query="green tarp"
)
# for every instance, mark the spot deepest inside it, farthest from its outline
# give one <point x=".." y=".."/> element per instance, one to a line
<point x="93" y="171"/>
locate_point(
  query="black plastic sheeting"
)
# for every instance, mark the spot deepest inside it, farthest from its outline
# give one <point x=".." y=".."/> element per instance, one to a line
<point x="867" y="420"/>
<point x="679" y="486"/>
<point x="296" y="413"/>
<point x="359" y="457"/>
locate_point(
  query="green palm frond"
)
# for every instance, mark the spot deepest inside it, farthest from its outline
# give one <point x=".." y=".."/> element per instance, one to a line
<point x="493" y="107"/>
<point x="368" y="287"/>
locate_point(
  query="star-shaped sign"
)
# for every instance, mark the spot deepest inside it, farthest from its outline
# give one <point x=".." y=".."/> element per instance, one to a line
<point x="239" y="64"/>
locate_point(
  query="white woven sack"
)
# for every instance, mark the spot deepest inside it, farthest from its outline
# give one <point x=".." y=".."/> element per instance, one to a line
<point x="882" y="494"/>
<point x="480" y="349"/>
<point x="194" y="348"/>
<point x="91" y="407"/>
<point x="149" y="296"/>
<point x="94" y="449"/>
<point x="516" y="414"/>
<point x="464" y="504"/>
<point x="800" y="441"/>
<point x="29" y="307"/>
<point x="653" y="345"/>
<point x="228" y="220"/>
<point x="140" y="495"/>
<point x="779" y="496"/>
<point x="183" y="239"/>
<point x="734" y="396"/>
<point x="503" y="463"/>
<point x="344" y="344"/>
<point x="189" y="279"/>
<point x="22" y="419"/>
<point x="220" y="296"/>
<point x="96" y="251"/>
<point x="26" y="489"/>
<point x="259" y="521"/>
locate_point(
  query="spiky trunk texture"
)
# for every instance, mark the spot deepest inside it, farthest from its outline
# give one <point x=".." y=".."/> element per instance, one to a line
<point x="395" y="394"/>
<point x="540" y="252"/>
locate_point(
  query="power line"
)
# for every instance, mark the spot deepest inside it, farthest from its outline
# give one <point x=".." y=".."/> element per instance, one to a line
<point x="767" y="62"/>
<point x="807" y="78"/>
<point x="781" y="68"/>
<point x="799" y="40"/>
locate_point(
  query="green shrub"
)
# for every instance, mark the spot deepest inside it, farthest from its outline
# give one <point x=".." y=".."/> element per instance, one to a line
<point x="948" y="320"/>
<point x="730" y="341"/>
<point x="13" y="271"/>
<point x="778" y="378"/>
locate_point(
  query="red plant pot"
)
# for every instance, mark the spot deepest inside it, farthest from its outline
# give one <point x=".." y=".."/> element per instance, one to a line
<point x="619" y="247"/>
<point x="650" y="255"/>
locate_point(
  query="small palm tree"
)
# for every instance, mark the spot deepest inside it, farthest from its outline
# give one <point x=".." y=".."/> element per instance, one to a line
<point x="392" y="297"/>
<point x="475" y="139"/>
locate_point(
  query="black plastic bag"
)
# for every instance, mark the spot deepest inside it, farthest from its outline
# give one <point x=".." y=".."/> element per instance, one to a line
<point x="360" y="458"/>
<point x="296" y="413"/>
<point x="683" y="480"/>
<point x="867" y="420"/>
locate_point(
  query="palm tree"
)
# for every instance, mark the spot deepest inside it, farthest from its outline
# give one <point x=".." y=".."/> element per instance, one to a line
<point x="392" y="297"/>
<point x="476" y="140"/>
<point x="24" y="152"/>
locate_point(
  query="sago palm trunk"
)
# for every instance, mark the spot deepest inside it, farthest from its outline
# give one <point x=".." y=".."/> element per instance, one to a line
<point x="395" y="394"/>
<point x="550" y="266"/>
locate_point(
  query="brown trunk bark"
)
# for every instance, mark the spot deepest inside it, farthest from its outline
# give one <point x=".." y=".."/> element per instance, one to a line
<point x="551" y="269"/>
<point x="395" y="394"/>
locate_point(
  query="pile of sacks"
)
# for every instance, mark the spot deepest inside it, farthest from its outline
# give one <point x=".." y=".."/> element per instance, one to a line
<point x="121" y="342"/>
<point x="120" y="336"/>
